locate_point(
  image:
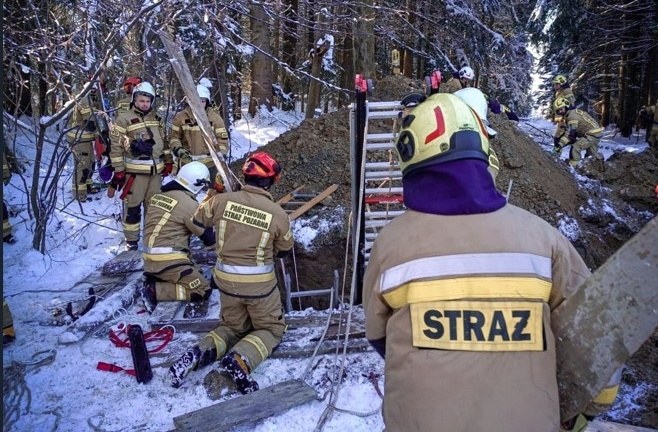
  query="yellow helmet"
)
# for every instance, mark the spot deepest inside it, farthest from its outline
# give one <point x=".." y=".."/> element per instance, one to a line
<point x="560" y="79"/>
<point x="441" y="129"/>
<point x="561" y="102"/>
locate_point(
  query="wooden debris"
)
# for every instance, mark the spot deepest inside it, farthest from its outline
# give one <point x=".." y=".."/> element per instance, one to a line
<point x="248" y="408"/>
<point x="606" y="320"/>
<point x="125" y="262"/>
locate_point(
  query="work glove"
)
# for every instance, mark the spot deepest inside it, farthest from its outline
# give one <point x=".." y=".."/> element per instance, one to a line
<point x="219" y="184"/>
<point x="118" y="180"/>
<point x="181" y="153"/>
<point x="167" y="170"/>
<point x="208" y="238"/>
<point x="142" y="147"/>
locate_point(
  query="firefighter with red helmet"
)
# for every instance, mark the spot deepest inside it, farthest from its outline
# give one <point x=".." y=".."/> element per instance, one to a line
<point x="252" y="231"/>
<point x="128" y="86"/>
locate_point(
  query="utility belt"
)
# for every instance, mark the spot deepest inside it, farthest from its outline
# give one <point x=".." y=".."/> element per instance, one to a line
<point x="244" y="274"/>
<point x="160" y="253"/>
<point x="139" y="166"/>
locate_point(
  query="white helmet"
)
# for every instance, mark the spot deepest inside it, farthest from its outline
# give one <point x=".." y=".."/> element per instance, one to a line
<point x="144" y="88"/>
<point x="203" y="92"/>
<point x="193" y="176"/>
<point x="467" y="73"/>
<point x="475" y="99"/>
<point x="205" y="82"/>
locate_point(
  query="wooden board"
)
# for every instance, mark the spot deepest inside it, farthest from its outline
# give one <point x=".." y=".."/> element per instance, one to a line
<point x="248" y="408"/>
<point x="125" y="262"/>
<point x="286" y="198"/>
<point x="610" y="316"/>
<point x="603" y="426"/>
<point x="171" y="313"/>
<point x="303" y="209"/>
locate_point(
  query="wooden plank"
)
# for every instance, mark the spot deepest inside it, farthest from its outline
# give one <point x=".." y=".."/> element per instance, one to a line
<point x="609" y="317"/>
<point x="182" y="70"/>
<point x="248" y="408"/>
<point x="171" y="313"/>
<point x="284" y="199"/>
<point x="125" y="262"/>
<point x="303" y="209"/>
<point x="355" y="345"/>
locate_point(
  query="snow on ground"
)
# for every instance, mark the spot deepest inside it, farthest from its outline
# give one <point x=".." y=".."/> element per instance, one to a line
<point x="50" y="386"/>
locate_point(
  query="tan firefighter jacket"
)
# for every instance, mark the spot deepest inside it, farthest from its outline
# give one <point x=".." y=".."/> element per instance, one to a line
<point x="124" y="105"/>
<point x="577" y="123"/>
<point x="251" y="229"/>
<point x="82" y="123"/>
<point x="465" y="311"/>
<point x="168" y="226"/>
<point x="186" y="133"/>
<point x="451" y="86"/>
<point x="133" y="125"/>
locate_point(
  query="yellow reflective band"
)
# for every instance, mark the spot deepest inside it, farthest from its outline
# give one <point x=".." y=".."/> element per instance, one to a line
<point x="181" y="294"/>
<point x="478" y="325"/>
<point x="221" y="231"/>
<point x="131" y="227"/>
<point x="80" y="187"/>
<point x="288" y="235"/>
<point x="220" y="344"/>
<point x="258" y="343"/>
<point x="607" y="396"/>
<point x="245" y="278"/>
<point x="176" y="128"/>
<point x="158" y="227"/>
<point x="117" y="159"/>
<point x="192" y="128"/>
<point x="119" y="129"/>
<point x="260" y="252"/>
<point x="527" y="288"/>
<point x="246" y="215"/>
<point x="143" y="168"/>
<point x="164" y="257"/>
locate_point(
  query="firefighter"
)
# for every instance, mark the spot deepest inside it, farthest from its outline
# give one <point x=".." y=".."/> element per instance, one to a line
<point x="8" y="333"/>
<point x="462" y="313"/>
<point x="187" y="141"/>
<point x="475" y="99"/>
<point x="577" y="129"/>
<point x="251" y="232"/>
<point x="652" y="128"/>
<point x="562" y="88"/>
<point x="169" y="272"/>
<point x="82" y="132"/>
<point x="140" y="158"/>
<point x="128" y="86"/>
<point x="7" y="236"/>
<point x="463" y="79"/>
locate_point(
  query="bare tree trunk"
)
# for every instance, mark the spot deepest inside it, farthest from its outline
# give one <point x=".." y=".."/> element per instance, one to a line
<point x="290" y="42"/>
<point x="314" y="87"/>
<point x="261" y="67"/>
<point x="364" y="42"/>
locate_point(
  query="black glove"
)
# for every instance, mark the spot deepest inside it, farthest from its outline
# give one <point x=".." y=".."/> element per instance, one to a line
<point x="573" y="135"/>
<point x="142" y="147"/>
<point x="556" y="142"/>
<point x="511" y="115"/>
<point x="208" y="237"/>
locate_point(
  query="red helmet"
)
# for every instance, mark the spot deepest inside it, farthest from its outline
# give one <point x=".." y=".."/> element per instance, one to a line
<point x="261" y="165"/>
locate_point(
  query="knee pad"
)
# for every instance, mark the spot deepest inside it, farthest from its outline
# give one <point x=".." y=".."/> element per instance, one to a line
<point x="134" y="215"/>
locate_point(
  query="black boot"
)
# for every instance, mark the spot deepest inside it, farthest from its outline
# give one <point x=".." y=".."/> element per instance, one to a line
<point x="148" y="294"/>
<point x="9" y="239"/>
<point x="237" y="367"/>
<point x="191" y="360"/>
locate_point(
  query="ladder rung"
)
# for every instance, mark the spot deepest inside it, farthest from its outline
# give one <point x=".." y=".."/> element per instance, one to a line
<point x="379" y="137"/>
<point x="383" y="191"/>
<point x="377" y="223"/>
<point x="383" y="214"/>
<point x="384" y="105"/>
<point x="371" y="236"/>
<point x="380" y="146"/>
<point x="382" y="115"/>
<point x="311" y="293"/>
<point x="381" y="165"/>
<point x="383" y="175"/>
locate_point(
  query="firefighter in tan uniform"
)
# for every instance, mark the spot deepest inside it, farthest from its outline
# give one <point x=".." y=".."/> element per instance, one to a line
<point x="187" y="141"/>
<point x="464" y="79"/>
<point x="577" y="129"/>
<point x="170" y="273"/>
<point x="128" y="86"/>
<point x="562" y="89"/>
<point x="81" y="134"/>
<point x="140" y="159"/>
<point x="462" y="313"/>
<point x="7" y="236"/>
<point x="251" y="232"/>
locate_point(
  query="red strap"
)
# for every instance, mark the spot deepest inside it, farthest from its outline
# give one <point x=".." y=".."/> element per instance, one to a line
<point x="114" y="368"/>
<point x="164" y="334"/>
